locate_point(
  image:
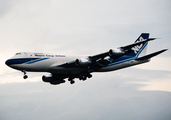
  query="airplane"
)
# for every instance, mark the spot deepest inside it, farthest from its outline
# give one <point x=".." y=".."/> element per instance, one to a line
<point x="61" y="67"/>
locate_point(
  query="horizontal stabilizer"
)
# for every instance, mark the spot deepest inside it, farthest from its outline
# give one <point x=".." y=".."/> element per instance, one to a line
<point x="151" y="55"/>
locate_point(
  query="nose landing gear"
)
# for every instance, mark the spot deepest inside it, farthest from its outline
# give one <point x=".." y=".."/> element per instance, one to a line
<point x="25" y="76"/>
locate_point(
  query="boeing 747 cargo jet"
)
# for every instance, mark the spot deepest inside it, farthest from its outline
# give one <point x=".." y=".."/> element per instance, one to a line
<point x="71" y="67"/>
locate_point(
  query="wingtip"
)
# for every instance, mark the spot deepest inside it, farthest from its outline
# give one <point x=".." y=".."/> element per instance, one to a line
<point x="153" y="39"/>
<point x="149" y="39"/>
<point x="165" y="50"/>
<point x="161" y="51"/>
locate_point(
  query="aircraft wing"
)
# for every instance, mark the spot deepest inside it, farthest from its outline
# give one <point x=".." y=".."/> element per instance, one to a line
<point x="124" y="48"/>
<point x="99" y="56"/>
<point x="137" y="43"/>
<point x="97" y="61"/>
<point x="68" y="64"/>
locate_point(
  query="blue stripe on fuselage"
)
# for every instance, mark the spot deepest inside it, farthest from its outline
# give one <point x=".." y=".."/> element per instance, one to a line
<point x="19" y="60"/>
<point x="37" y="60"/>
<point x="120" y="60"/>
<point x="23" y="60"/>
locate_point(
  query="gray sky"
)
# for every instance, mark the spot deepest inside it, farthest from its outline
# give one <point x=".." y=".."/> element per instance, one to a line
<point x="85" y="28"/>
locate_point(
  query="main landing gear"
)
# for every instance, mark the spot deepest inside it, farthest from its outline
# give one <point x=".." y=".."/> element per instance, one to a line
<point x="84" y="77"/>
<point x="71" y="80"/>
<point x="81" y="77"/>
<point x="25" y="76"/>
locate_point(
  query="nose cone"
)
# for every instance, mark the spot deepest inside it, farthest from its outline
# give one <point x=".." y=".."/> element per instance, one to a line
<point x="13" y="63"/>
<point x="8" y="62"/>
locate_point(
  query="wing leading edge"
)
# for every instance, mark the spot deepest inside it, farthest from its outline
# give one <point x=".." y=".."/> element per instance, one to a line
<point x="97" y="61"/>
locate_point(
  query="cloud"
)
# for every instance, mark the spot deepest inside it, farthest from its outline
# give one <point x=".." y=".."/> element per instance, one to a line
<point x="151" y="80"/>
<point x="104" y="96"/>
<point x="157" y="63"/>
<point x="157" y="84"/>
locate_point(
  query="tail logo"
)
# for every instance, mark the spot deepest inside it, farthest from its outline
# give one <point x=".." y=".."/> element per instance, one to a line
<point x="137" y="47"/>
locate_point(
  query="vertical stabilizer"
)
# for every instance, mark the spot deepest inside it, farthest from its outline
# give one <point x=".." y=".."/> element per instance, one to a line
<point x="140" y="50"/>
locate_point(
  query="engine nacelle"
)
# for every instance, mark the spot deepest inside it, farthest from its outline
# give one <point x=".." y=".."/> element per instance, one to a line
<point x="82" y="62"/>
<point x="52" y="80"/>
<point x="47" y="78"/>
<point x="116" y="53"/>
<point x="57" y="82"/>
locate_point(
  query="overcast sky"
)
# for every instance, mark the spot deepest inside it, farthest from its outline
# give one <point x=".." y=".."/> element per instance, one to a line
<point x="88" y="27"/>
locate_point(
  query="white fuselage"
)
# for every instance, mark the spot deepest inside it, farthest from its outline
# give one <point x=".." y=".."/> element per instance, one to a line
<point x="41" y="62"/>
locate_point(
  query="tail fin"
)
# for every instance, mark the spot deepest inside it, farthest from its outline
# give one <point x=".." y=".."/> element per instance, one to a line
<point x="140" y="50"/>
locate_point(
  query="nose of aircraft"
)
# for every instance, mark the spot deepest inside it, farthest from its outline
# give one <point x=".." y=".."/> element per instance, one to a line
<point x="7" y="62"/>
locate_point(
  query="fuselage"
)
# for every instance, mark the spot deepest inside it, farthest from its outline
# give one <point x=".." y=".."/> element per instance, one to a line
<point x="42" y="62"/>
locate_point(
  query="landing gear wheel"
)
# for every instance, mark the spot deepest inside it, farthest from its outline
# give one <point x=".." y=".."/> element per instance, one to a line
<point x="84" y="78"/>
<point x="80" y="77"/>
<point x="25" y="76"/>
<point x="72" y="81"/>
<point x="89" y="75"/>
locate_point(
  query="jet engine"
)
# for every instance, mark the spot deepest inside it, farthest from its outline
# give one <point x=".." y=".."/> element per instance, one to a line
<point x="52" y="80"/>
<point x="47" y="78"/>
<point x="116" y="53"/>
<point x="82" y="62"/>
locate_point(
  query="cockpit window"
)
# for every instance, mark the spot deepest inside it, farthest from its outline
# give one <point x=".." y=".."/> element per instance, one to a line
<point x="18" y="54"/>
